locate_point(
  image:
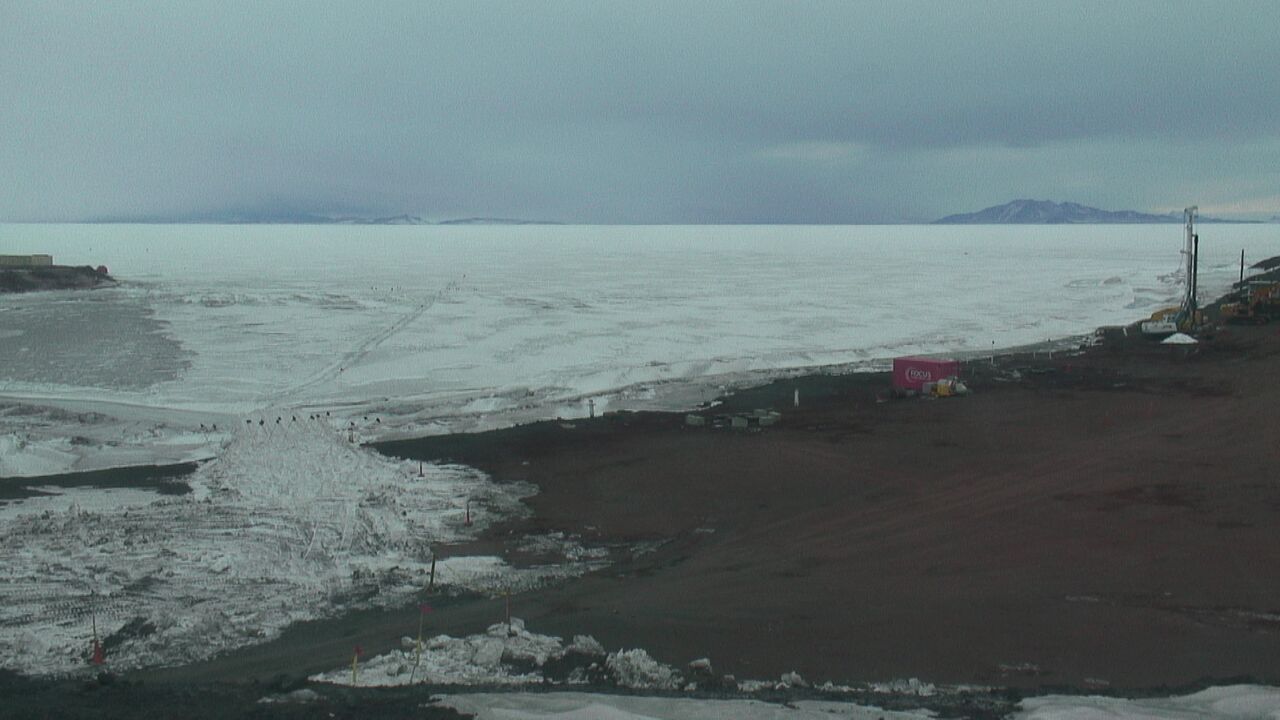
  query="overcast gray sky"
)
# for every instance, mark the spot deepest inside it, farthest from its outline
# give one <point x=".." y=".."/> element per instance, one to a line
<point x="666" y="112"/>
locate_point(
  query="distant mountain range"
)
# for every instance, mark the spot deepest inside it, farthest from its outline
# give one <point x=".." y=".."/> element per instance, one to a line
<point x="1047" y="212"/>
<point x="496" y="221"/>
<point x="297" y="218"/>
<point x="415" y="220"/>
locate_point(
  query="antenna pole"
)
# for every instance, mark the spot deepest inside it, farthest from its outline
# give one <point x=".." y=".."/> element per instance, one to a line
<point x="1189" y="304"/>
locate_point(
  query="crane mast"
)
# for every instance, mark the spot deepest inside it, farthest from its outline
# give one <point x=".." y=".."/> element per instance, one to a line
<point x="1185" y="317"/>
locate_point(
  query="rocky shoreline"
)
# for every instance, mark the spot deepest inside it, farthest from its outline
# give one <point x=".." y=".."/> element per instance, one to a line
<point x="53" y="277"/>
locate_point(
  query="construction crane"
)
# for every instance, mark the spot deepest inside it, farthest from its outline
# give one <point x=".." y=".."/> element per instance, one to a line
<point x="1185" y="317"/>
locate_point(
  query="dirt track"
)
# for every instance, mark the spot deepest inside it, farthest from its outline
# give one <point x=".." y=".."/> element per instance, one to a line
<point x="1111" y="518"/>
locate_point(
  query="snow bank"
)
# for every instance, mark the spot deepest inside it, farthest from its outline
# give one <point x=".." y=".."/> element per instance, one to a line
<point x="1232" y="702"/>
<point x="509" y="654"/>
<point x="635" y="669"/>
<point x="505" y="654"/>
<point x="590" y="706"/>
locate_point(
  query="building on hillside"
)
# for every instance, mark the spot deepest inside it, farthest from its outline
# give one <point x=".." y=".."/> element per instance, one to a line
<point x="26" y="260"/>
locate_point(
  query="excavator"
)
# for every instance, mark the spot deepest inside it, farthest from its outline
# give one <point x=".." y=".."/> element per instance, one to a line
<point x="1186" y="317"/>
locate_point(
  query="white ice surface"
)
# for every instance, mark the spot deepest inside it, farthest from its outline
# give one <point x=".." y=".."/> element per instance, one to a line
<point x="1238" y="702"/>
<point x="436" y="329"/>
<point x="1232" y="702"/>
<point x="590" y="706"/>
<point x="1235" y="702"/>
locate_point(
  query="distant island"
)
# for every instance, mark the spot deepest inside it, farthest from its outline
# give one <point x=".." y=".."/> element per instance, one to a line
<point x="1047" y="212"/>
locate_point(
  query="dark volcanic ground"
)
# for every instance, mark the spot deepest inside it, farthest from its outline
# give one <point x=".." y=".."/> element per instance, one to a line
<point x="1105" y="519"/>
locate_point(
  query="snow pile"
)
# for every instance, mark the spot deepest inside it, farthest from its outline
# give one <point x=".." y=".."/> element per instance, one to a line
<point x="1232" y="702"/>
<point x="586" y="645"/>
<point x="1179" y="339"/>
<point x="635" y="669"/>
<point x="291" y="523"/>
<point x="505" y="654"/>
<point x="793" y="679"/>
<point x="520" y="645"/>
<point x="346" y="500"/>
<point x="910" y="686"/>
<point x="786" y="681"/>
<point x="509" y="654"/>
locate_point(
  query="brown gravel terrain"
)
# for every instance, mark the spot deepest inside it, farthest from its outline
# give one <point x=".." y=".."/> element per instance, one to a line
<point x="1102" y="519"/>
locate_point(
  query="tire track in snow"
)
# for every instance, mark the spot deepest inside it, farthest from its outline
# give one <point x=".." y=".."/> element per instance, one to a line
<point x="330" y="373"/>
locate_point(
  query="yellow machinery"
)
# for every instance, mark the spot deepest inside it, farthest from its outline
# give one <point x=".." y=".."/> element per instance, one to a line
<point x="1258" y="302"/>
<point x="949" y="387"/>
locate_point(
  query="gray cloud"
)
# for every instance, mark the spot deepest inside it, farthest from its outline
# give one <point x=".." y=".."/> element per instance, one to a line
<point x="648" y="112"/>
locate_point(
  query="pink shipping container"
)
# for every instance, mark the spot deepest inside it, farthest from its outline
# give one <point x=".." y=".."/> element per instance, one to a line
<point x="911" y="373"/>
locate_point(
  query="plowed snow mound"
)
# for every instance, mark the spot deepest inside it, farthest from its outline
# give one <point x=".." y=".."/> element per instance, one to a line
<point x="291" y="522"/>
